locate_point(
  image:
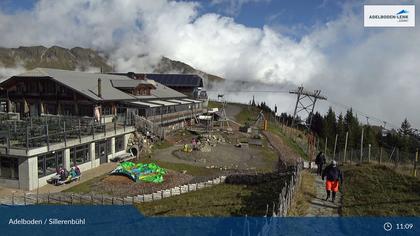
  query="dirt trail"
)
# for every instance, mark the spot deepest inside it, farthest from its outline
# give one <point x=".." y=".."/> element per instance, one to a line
<point x="287" y="155"/>
<point x="318" y="206"/>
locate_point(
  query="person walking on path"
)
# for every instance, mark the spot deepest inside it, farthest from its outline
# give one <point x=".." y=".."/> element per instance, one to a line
<point x="333" y="175"/>
<point x="320" y="161"/>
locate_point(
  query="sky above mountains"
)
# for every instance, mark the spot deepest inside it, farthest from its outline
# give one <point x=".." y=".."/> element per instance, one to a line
<point x="321" y="44"/>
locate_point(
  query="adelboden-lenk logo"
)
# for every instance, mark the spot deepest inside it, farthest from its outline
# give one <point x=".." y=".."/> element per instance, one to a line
<point x="389" y="16"/>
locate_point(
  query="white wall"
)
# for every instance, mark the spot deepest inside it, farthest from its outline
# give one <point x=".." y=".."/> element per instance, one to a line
<point x="28" y="167"/>
<point x="28" y="173"/>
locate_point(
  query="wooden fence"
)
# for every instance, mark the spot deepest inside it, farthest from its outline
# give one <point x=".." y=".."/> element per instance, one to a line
<point x="65" y="198"/>
<point x="287" y="192"/>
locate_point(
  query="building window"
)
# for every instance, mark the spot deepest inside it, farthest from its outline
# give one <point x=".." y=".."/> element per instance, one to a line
<point x="9" y="167"/>
<point x="3" y="106"/>
<point x="101" y="148"/>
<point x="106" y="110"/>
<point x="49" y="163"/>
<point x="119" y="143"/>
<point x="108" y="147"/>
<point x="79" y="155"/>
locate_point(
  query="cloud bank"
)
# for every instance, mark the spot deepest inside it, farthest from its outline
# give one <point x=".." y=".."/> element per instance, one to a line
<point x="374" y="70"/>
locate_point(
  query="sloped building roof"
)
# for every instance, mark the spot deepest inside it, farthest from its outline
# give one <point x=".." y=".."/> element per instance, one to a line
<point x="123" y="83"/>
<point x="172" y="80"/>
<point x="87" y="84"/>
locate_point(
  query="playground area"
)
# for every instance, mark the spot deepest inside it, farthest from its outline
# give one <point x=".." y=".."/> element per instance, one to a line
<point x="223" y="156"/>
<point x="190" y="157"/>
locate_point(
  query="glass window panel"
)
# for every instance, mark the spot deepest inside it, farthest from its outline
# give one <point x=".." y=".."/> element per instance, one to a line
<point x="41" y="166"/>
<point x="9" y="167"/>
<point x="119" y="143"/>
<point x="79" y="155"/>
<point x="50" y="164"/>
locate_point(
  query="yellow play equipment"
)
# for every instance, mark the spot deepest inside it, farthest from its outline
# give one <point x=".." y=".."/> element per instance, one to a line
<point x="187" y="148"/>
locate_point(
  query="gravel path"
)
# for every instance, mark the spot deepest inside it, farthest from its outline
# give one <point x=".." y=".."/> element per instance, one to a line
<point x="223" y="155"/>
<point x="318" y="205"/>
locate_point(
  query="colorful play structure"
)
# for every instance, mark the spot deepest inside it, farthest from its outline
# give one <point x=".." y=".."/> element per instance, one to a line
<point x="140" y="172"/>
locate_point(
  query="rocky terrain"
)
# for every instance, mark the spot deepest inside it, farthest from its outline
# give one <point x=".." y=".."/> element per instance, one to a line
<point x="77" y="58"/>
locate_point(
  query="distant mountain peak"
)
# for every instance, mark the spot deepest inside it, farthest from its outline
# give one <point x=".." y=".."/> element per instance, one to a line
<point x="78" y="58"/>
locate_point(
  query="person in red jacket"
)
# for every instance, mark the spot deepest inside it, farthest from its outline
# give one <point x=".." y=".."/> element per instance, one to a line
<point x="334" y="176"/>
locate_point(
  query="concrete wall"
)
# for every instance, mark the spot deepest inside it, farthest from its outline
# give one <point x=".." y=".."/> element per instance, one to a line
<point x="9" y="183"/>
<point x="28" y="173"/>
<point x="126" y="137"/>
<point x="43" y="180"/>
<point x="28" y="167"/>
<point x="67" y="161"/>
<point x="112" y="149"/>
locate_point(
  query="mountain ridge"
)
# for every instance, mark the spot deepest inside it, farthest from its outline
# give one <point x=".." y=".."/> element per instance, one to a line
<point x="83" y="59"/>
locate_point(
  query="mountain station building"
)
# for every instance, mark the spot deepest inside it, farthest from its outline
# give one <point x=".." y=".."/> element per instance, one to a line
<point x="51" y="118"/>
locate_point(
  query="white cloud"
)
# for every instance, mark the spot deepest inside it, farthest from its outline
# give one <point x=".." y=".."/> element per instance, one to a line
<point x="375" y="70"/>
<point x="8" y="72"/>
<point x="233" y="7"/>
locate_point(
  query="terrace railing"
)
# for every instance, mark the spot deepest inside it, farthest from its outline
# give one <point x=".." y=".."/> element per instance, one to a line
<point x="43" y="131"/>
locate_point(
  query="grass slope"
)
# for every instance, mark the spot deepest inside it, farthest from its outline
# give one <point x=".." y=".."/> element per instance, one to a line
<point x="274" y="128"/>
<point x="249" y="114"/>
<point x="306" y="192"/>
<point x="372" y="190"/>
<point x="219" y="200"/>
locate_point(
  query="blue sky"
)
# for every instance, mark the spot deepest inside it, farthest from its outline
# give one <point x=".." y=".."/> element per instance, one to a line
<point x="16" y="5"/>
<point x="336" y="50"/>
<point x="253" y="13"/>
<point x="272" y="12"/>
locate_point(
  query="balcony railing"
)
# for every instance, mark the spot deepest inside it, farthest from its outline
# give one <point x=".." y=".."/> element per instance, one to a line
<point x="175" y="116"/>
<point x="44" y="131"/>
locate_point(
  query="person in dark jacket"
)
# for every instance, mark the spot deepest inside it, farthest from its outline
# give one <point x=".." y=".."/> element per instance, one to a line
<point x="333" y="175"/>
<point x="320" y="161"/>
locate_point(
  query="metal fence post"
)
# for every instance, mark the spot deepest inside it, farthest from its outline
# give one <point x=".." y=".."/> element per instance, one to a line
<point x="80" y="130"/>
<point x="380" y="156"/>
<point x="325" y="146"/>
<point x="335" y="145"/>
<point x="47" y="136"/>
<point x="115" y="126"/>
<point x="415" y="163"/>
<point x="27" y="139"/>
<point x="345" y="147"/>
<point x="64" y="133"/>
<point x="361" y="147"/>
